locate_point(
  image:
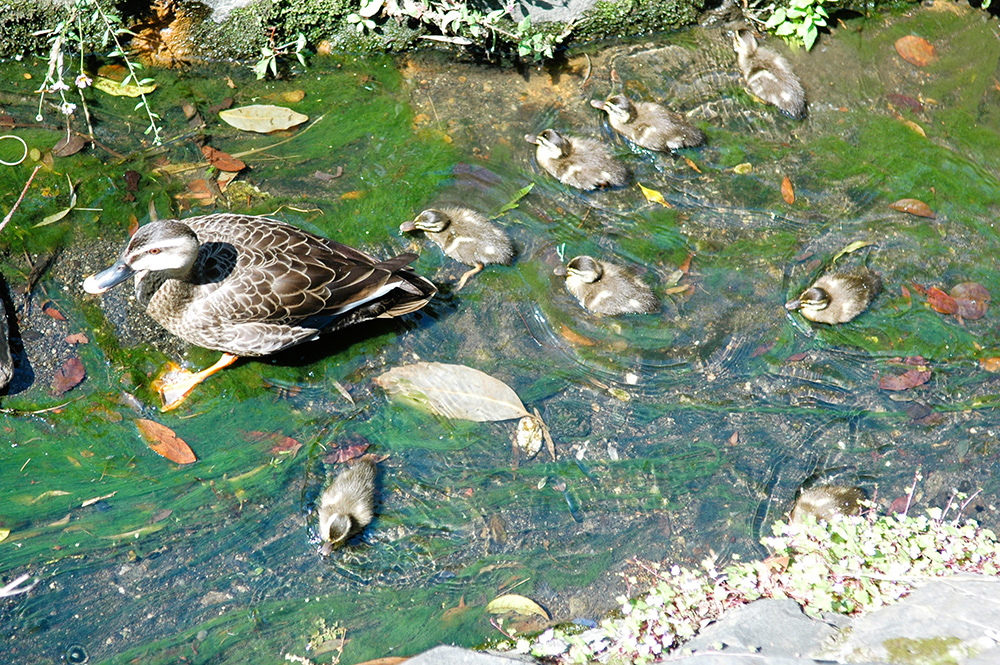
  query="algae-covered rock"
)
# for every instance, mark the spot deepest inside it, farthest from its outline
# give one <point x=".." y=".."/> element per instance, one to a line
<point x="6" y="362"/>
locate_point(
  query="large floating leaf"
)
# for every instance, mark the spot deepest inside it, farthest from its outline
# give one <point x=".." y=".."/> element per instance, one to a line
<point x="453" y="391"/>
<point x="512" y="602"/>
<point x="916" y="50"/>
<point x="165" y="442"/>
<point x="262" y="118"/>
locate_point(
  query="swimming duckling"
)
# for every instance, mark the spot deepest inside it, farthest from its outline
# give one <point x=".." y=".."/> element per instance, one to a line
<point x="465" y="235"/>
<point x="839" y="297"/>
<point x="578" y="162"/>
<point x="826" y="501"/>
<point x="347" y="505"/>
<point x="649" y="125"/>
<point x="605" y="288"/>
<point x="769" y="75"/>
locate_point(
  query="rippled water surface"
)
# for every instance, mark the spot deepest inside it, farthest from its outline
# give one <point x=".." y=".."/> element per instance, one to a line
<point x="679" y="435"/>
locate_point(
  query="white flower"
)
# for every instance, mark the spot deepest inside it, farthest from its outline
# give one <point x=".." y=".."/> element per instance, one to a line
<point x="83" y="81"/>
<point x="58" y="85"/>
<point x="67" y="108"/>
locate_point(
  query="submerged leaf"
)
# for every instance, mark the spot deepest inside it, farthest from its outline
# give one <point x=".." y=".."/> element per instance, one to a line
<point x="941" y="301"/>
<point x="913" y="207"/>
<point x="165" y="442"/>
<point x="69" y="376"/>
<point x="916" y="50"/>
<point x="653" y="196"/>
<point x="972" y="298"/>
<point x="787" y="192"/>
<point x="262" y="118"/>
<point x="512" y="602"/>
<point x="453" y="391"/>
<point x="911" y="379"/>
<point x="513" y="203"/>
<point x="118" y="89"/>
<point x="850" y="249"/>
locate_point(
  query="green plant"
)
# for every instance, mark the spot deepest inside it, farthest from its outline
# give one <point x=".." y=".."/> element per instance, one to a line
<point x="269" y="56"/>
<point x="799" y="22"/>
<point x="851" y="565"/>
<point x="71" y="30"/>
<point x="457" y="23"/>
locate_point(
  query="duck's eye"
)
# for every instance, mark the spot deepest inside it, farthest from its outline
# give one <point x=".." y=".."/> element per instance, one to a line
<point x="155" y="250"/>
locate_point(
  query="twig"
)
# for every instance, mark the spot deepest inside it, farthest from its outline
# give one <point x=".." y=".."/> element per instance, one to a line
<point x="13" y="589"/>
<point x="18" y="202"/>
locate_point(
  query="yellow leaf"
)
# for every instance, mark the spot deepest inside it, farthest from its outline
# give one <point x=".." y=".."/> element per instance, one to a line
<point x="116" y="89"/>
<point x="50" y="493"/>
<point x="690" y="162"/>
<point x="853" y="247"/>
<point x="512" y="602"/>
<point x="4" y="533"/>
<point x="744" y="168"/>
<point x="653" y="196"/>
<point x="262" y="118"/>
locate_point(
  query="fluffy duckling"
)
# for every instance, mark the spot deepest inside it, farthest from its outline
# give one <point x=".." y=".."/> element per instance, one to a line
<point x="605" y="288"/>
<point x="347" y="505"/>
<point x="649" y="125"/>
<point x="769" y="75"/>
<point x="464" y="235"/>
<point x="578" y="162"/>
<point x="824" y="502"/>
<point x="839" y="297"/>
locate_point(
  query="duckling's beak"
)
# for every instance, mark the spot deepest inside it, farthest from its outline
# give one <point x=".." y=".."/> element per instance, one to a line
<point x="597" y="104"/>
<point x="793" y="305"/>
<point x="104" y="280"/>
<point x="531" y="138"/>
<point x="406" y="227"/>
<point x="560" y="271"/>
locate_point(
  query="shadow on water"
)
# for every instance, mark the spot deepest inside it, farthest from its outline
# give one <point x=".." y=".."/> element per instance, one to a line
<point x="680" y="435"/>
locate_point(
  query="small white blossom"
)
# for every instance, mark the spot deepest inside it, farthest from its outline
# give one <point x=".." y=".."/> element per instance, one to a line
<point x="83" y="81"/>
<point x="67" y="108"/>
<point x="58" y="85"/>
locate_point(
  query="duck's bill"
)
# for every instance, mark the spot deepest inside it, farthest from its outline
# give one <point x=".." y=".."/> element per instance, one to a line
<point x="560" y="271"/>
<point x="406" y="227"/>
<point x="531" y="138"/>
<point x="104" y="280"/>
<point x="597" y="104"/>
<point x="792" y="305"/>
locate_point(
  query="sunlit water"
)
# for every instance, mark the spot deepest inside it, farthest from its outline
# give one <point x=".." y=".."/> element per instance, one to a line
<point x="679" y="435"/>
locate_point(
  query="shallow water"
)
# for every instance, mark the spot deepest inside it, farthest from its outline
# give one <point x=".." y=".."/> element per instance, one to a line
<point x="679" y="435"/>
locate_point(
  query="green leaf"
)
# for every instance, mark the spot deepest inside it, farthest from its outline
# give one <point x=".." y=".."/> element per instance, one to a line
<point x="512" y="204"/>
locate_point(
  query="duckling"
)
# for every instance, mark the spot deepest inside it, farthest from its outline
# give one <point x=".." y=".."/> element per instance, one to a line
<point x="769" y="75"/>
<point x="578" y="162"/>
<point x="605" y="288"/>
<point x="839" y="297"/>
<point x="465" y="235"/>
<point x="347" y="505"/>
<point x="650" y="125"/>
<point x="826" y="501"/>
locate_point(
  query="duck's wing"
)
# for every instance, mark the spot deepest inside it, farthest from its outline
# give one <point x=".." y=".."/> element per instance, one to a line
<point x="284" y="275"/>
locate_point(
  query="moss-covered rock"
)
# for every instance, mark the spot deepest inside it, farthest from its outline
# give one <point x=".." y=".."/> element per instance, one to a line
<point x="620" y="18"/>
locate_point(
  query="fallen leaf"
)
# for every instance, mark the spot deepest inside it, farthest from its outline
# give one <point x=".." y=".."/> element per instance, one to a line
<point x="916" y="50"/>
<point x="690" y="163"/>
<point x="133" y="224"/>
<point x="941" y="301"/>
<point x="907" y="298"/>
<point x="262" y="118"/>
<point x="734" y="439"/>
<point x="292" y="96"/>
<point x="164" y="442"/>
<point x="851" y="248"/>
<point x="513" y="203"/>
<point x="575" y="338"/>
<point x="743" y="169"/>
<point x="346" y="453"/>
<point x="222" y="160"/>
<point x="910" y="379"/>
<point x="386" y="660"/>
<point x="69" y="376"/>
<point x="512" y="602"/>
<point x="913" y="207"/>
<point x="914" y="105"/>
<point x="453" y="391"/>
<point x="55" y="217"/>
<point x="912" y="125"/>
<point x="352" y="195"/>
<point x="796" y="357"/>
<point x="49" y="494"/>
<point x="685" y="265"/>
<point x="90" y="502"/>
<point x="50" y="310"/>
<point x="972" y="298"/>
<point x="322" y="175"/>
<point x="287" y="446"/>
<point x="990" y="364"/>
<point x="117" y="89"/>
<point x="4" y="533"/>
<point x="68" y="145"/>
<point x="787" y="192"/>
<point x="160" y="515"/>
<point x="64" y="521"/>
<point x="653" y="196"/>
<point x="77" y="338"/>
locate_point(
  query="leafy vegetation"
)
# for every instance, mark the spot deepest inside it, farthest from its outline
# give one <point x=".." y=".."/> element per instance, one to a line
<point x="799" y="22"/>
<point x="852" y="565"/>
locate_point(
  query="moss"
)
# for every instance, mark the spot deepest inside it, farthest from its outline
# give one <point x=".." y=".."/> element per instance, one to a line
<point x="928" y="651"/>
<point x="619" y="18"/>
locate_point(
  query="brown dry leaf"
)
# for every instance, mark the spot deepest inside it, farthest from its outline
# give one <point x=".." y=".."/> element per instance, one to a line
<point x="916" y="50"/>
<point x="787" y="192"/>
<point x="68" y="145"/>
<point x="912" y="125"/>
<point x="690" y="163"/>
<point x="990" y="364"/>
<point x="164" y="442"/>
<point x="386" y="660"/>
<point x="346" y="453"/>
<point x="49" y="309"/>
<point x="68" y="376"/>
<point x="574" y="337"/>
<point x="133" y="225"/>
<point x="972" y="298"/>
<point x="452" y="612"/>
<point x="685" y="266"/>
<point x="796" y="357"/>
<point x="160" y="515"/>
<point x="222" y="160"/>
<point x="941" y="301"/>
<point x="913" y="207"/>
<point x="77" y="338"/>
<point x="223" y="178"/>
<point x="262" y="118"/>
<point x="734" y="439"/>
<point x="912" y="378"/>
<point x="352" y="195"/>
<point x="287" y="446"/>
<point x="453" y="391"/>
<point x="201" y="190"/>
<point x="292" y="96"/>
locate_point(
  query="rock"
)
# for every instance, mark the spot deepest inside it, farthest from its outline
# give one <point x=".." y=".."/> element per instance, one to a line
<point x="6" y="361"/>
<point x="447" y="655"/>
